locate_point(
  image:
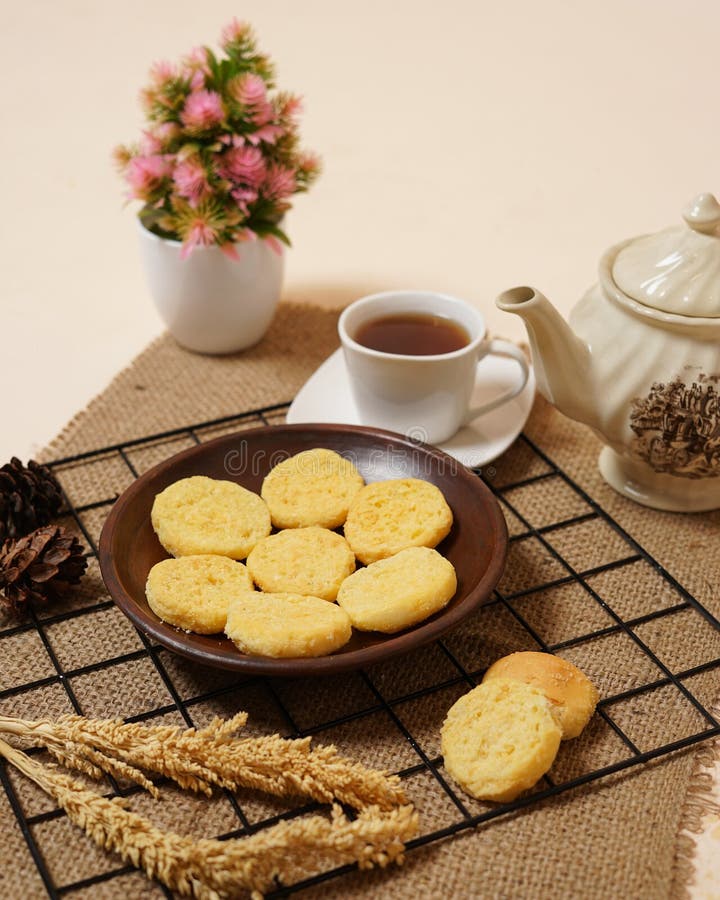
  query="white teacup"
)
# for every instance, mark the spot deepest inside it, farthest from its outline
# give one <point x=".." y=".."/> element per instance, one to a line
<point x="427" y="397"/>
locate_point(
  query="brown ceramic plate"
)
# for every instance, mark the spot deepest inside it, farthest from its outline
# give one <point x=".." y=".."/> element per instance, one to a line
<point x="476" y="546"/>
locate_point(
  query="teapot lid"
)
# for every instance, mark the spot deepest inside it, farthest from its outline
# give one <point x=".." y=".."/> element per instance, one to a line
<point x="676" y="270"/>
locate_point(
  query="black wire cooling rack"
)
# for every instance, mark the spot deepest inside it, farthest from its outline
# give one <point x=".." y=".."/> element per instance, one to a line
<point x="611" y="599"/>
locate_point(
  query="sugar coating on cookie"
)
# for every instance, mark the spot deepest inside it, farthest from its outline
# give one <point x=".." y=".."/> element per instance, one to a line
<point x="388" y="516"/>
<point x="499" y="739"/>
<point x="285" y="625"/>
<point x="203" y="515"/>
<point x="573" y="697"/>
<point x="309" y="560"/>
<point x="402" y="590"/>
<point x="193" y="592"/>
<point x="314" y="487"/>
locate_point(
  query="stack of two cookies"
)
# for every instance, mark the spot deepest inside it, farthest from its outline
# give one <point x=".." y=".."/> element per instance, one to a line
<point x="301" y="570"/>
<point x="499" y="739"/>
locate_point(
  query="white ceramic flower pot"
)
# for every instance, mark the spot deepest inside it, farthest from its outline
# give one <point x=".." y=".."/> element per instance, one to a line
<point x="209" y="302"/>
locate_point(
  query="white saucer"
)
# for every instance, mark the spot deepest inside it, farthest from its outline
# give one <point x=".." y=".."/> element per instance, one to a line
<point x="326" y="397"/>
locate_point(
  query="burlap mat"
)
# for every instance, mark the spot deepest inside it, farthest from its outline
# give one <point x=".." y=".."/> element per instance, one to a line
<point x="615" y="838"/>
<point x="166" y="387"/>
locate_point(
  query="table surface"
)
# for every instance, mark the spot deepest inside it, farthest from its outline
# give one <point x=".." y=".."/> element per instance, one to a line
<point x="501" y="144"/>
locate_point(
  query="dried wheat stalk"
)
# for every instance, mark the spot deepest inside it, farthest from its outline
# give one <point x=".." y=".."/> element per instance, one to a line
<point x="211" y="869"/>
<point x="198" y="759"/>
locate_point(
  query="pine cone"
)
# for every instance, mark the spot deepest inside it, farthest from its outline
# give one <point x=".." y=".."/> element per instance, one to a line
<point x="35" y="566"/>
<point x="29" y="498"/>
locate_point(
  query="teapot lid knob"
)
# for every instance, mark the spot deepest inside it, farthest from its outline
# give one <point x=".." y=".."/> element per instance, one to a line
<point x="703" y="214"/>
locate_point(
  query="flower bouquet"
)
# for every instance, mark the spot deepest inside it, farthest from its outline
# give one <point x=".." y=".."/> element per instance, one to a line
<point x="220" y="158"/>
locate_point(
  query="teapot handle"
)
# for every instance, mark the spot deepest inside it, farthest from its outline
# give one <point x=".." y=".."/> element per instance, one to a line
<point x="511" y="351"/>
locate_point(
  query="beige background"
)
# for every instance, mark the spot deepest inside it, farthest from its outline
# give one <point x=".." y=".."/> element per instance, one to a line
<point x="468" y="146"/>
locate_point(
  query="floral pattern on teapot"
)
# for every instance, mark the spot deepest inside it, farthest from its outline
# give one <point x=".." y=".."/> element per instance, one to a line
<point x="677" y="427"/>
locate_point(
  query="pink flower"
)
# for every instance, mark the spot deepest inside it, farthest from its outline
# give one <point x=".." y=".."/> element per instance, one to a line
<point x="191" y="181"/>
<point x="250" y="91"/>
<point x="149" y="98"/>
<point x="241" y="236"/>
<point x="202" y="110"/>
<point x="231" y="251"/>
<point x="244" y="196"/>
<point x="234" y="140"/>
<point x="244" y="165"/>
<point x="199" y="234"/>
<point x="145" y="174"/>
<point x="235" y="32"/>
<point x="196" y="61"/>
<point x="150" y="143"/>
<point x="309" y="166"/>
<point x="166" y="132"/>
<point x="208" y="223"/>
<point x="197" y="80"/>
<point x="161" y="72"/>
<point x="267" y="133"/>
<point x="290" y="106"/>
<point x="273" y="243"/>
<point x="279" y="183"/>
<point x="195" y="68"/>
<point x="157" y="139"/>
<point x="245" y="234"/>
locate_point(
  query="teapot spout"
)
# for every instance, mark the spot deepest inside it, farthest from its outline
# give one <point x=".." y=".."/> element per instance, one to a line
<point x="561" y="360"/>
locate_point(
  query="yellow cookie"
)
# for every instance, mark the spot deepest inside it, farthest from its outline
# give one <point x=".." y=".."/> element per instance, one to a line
<point x="388" y="516"/>
<point x="573" y="697"/>
<point x="499" y="739"/>
<point x="193" y="592"/>
<point x="286" y="625"/>
<point x="398" y="592"/>
<point x="314" y="487"/>
<point x="302" y="561"/>
<point x="203" y="515"/>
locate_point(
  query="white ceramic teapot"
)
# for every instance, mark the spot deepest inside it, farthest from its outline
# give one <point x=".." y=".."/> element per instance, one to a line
<point x="640" y="361"/>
